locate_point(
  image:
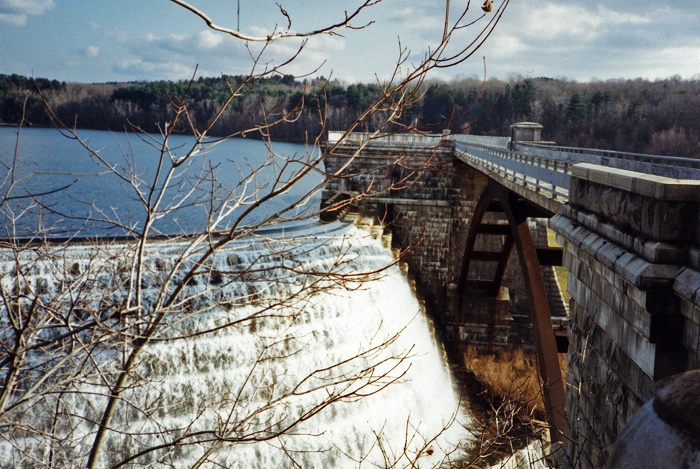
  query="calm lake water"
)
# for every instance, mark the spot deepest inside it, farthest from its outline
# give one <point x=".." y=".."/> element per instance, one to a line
<point x="55" y="186"/>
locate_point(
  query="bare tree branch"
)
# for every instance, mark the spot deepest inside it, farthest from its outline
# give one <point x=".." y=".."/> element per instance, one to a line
<point x="90" y="330"/>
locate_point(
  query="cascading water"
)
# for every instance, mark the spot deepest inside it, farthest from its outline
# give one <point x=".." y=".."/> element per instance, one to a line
<point x="267" y="361"/>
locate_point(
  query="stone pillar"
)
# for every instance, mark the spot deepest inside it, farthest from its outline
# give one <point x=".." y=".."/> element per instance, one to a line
<point x="631" y="244"/>
<point x="525" y="132"/>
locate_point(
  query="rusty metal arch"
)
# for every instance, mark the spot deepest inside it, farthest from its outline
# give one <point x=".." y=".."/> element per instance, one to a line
<point x="497" y="198"/>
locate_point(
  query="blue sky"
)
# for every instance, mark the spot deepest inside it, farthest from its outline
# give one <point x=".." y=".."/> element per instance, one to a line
<point x="124" y="40"/>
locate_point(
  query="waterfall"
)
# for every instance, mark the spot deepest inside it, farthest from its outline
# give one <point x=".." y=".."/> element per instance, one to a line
<point x="260" y="341"/>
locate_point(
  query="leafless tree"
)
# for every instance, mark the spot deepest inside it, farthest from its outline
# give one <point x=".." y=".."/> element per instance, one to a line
<point x="89" y="327"/>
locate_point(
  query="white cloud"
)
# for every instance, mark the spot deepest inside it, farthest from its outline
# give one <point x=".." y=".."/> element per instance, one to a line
<point x="285" y="47"/>
<point x="91" y="51"/>
<point x="208" y="39"/>
<point x="31" y="7"/>
<point x="176" y="55"/>
<point x="140" y="68"/>
<point x="418" y="20"/>
<point x="16" y="12"/>
<point x="505" y="46"/>
<point x="317" y="51"/>
<point x="185" y="44"/>
<point x="617" y="17"/>
<point x="581" y="39"/>
<point x="556" y="22"/>
<point x="13" y="19"/>
<point x="664" y="62"/>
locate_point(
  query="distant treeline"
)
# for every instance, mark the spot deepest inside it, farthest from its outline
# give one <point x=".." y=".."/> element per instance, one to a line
<point x="659" y="117"/>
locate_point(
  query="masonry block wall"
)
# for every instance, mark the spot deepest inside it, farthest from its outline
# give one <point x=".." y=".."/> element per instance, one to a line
<point x="430" y="218"/>
<point x="631" y="247"/>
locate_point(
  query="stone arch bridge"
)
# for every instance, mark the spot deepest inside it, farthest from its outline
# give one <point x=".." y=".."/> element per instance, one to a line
<point x="628" y="226"/>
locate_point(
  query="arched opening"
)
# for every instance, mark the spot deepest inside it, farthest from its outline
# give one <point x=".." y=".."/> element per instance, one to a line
<point x="512" y="230"/>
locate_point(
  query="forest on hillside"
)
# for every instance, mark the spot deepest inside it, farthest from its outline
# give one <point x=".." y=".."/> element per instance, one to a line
<point x="657" y="117"/>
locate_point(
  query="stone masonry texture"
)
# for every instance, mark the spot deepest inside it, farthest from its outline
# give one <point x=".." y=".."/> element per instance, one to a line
<point x="635" y="300"/>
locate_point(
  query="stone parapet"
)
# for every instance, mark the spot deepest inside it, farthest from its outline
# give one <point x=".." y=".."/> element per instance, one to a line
<point x="655" y="217"/>
<point x="630" y="242"/>
<point x="659" y="188"/>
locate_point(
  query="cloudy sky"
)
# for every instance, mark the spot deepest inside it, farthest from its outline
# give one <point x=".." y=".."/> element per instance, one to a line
<point x="123" y="40"/>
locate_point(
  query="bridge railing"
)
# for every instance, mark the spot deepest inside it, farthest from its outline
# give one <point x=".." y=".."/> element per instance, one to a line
<point x="359" y="138"/>
<point x="500" y="142"/>
<point x="546" y="175"/>
<point x="546" y="169"/>
<point x="668" y="166"/>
